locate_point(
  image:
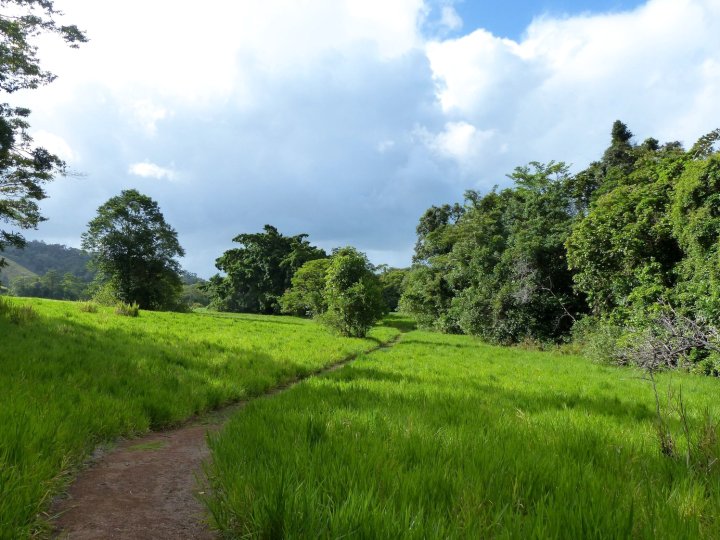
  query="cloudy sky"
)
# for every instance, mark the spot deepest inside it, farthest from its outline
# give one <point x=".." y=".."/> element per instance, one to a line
<point x="346" y="119"/>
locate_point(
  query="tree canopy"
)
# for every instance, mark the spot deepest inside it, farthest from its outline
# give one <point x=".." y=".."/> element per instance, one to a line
<point x="259" y="271"/>
<point x="353" y="294"/>
<point x="135" y="250"/>
<point x="635" y="229"/>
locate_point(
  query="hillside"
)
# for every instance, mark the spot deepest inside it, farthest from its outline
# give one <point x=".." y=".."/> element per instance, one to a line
<point x="39" y="257"/>
<point x="13" y="270"/>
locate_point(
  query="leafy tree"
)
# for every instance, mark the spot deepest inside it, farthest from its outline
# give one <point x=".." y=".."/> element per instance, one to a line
<point x="498" y="270"/>
<point x="260" y="271"/>
<point x="695" y="218"/>
<point x="392" y="281"/>
<point x="623" y="251"/>
<point x="306" y="296"/>
<point x="24" y="169"/>
<point x="427" y="294"/>
<point x="353" y="294"/>
<point x="51" y="285"/>
<point x="134" y="249"/>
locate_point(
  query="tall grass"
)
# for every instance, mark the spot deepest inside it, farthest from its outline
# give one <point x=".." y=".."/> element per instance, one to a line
<point x="443" y="437"/>
<point x="73" y="377"/>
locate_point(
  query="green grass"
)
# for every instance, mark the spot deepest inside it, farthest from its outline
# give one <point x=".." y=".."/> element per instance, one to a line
<point x="444" y="437"/>
<point x="71" y="379"/>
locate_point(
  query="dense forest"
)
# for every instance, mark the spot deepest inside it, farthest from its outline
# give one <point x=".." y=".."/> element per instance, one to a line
<point x="603" y="254"/>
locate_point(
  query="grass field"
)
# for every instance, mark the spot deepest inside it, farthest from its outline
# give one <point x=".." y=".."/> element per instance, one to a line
<point x="443" y="437"/>
<point x="70" y="380"/>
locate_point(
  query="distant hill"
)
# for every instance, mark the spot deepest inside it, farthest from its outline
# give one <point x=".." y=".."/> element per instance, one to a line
<point x="13" y="270"/>
<point x="39" y="257"/>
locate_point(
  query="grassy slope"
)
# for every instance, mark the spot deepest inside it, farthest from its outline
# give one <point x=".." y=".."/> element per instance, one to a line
<point x="70" y="380"/>
<point x="443" y="437"/>
<point x="13" y="270"/>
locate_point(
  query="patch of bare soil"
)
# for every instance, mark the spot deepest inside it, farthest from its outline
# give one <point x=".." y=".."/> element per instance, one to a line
<point x="146" y="488"/>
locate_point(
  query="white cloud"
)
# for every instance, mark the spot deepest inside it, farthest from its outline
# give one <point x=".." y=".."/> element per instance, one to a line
<point x="146" y="114"/>
<point x="555" y="93"/>
<point x="450" y="19"/>
<point x="460" y="140"/>
<point x="339" y="119"/>
<point x="147" y="169"/>
<point x="54" y="144"/>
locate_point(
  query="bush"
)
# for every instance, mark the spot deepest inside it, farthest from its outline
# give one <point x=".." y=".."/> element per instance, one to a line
<point x="353" y="294"/>
<point x="598" y="339"/>
<point x="127" y="310"/>
<point x="88" y="307"/>
<point x="105" y="295"/>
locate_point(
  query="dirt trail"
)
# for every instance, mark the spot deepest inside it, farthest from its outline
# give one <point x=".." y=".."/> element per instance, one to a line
<point x="147" y="488"/>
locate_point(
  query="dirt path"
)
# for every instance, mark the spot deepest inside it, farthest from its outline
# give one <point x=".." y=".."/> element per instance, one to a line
<point x="148" y="487"/>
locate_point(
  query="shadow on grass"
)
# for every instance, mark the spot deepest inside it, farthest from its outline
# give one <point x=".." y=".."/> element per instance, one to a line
<point x="399" y="322"/>
<point x="266" y="319"/>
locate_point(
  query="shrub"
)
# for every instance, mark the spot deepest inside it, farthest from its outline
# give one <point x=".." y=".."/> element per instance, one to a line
<point x="353" y="294"/>
<point x="598" y="339"/>
<point x="88" y="307"/>
<point x="127" y="310"/>
<point x="105" y="295"/>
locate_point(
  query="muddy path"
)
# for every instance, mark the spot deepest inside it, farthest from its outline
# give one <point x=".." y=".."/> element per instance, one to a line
<point x="148" y="487"/>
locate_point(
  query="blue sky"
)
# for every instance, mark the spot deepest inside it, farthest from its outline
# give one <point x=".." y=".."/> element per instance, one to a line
<point x="511" y="18"/>
<point x="346" y="119"/>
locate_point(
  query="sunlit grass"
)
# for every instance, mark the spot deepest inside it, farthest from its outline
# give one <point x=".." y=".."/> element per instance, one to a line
<point x="71" y="378"/>
<point x="444" y="437"/>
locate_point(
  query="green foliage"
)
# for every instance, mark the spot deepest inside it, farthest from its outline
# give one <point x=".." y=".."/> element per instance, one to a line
<point x="696" y="225"/>
<point x="195" y="295"/>
<point x="71" y="380"/>
<point x="259" y="272"/>
<point x="12" y="270"/>
<point x="427" y="296"/>
<point x="636" y="230"/>
<point x="127" y="310"/>
<point x="51" y="285"/>
<point x="353" y="294"/>
<point x="392" y="281"/>
<point x="306" y="296"/>
<point x="89" y="307"/>
<point x="498" y="271"/>
<point x="134" y="249"/>
<point x="40" y="258"/>
<point x="623" y="251"/>
<point x="445" y="437"/>
<point x="24" y="169"/>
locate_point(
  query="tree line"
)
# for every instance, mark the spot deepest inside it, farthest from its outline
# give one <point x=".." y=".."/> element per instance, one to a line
<point x="601" y="252"/>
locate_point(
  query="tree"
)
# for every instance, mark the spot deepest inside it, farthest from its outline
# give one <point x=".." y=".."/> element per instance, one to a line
<point x="134" y="250"/>
<point x="306" y="296"/>
<point x="353" y="294"/>
<point x="260" y="271"/>
<point x="24" y="169"/>
<point x="393" y="282"/>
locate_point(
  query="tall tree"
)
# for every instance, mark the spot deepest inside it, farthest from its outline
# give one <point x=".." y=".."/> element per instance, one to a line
<point x="260" y="271"/>
<point x="24" y="168"/>
<point x="134" y="250"/>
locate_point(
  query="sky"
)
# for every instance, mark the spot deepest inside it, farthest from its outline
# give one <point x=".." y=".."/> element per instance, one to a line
<point x="347" y="119"/>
